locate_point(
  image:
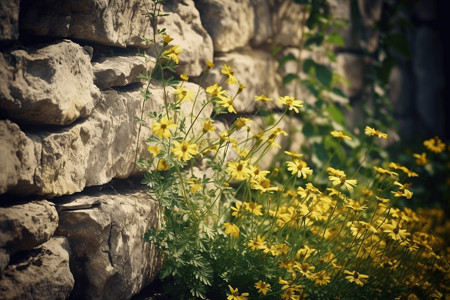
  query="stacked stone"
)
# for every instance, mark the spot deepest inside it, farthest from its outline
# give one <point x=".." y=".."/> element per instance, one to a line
<point x="69" y="93"/>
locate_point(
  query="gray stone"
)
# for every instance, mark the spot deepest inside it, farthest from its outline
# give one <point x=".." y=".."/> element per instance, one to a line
<point x="262" y="22"/>
<point x="19" y="156"/>
<point x="50" y="85"/>
<point x="122" y="23"/>
<point x="229" y="23"/>
<point x="106" y="231"/>
<point x="352" y="67"/>
<point x="9" y="19"/>
<point x="91" y="152"/>
<point x="287" y="20"/>
<point x="25" y="226"/>
<point x="118" y="70"/>
<point x="41" y="273"/>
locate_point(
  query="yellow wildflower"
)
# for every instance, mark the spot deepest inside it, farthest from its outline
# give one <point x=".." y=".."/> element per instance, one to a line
<point x="162" y="128"/>
<point x="355" y="277"/>
<point x="258" y="244"/>
<point x="209" y="63"/>
<point x="154" y="150"/>
<point x="235" y="295"/>
<point x="166" y="38"/>
<point x="421" y="159"/>
<point x="230" y="73"/>
<point x="208" y="126"/>
<point x="215" y="90"/>
<point x="237" y="210"/>
<point x="293" y="154"/>
<point x="375" y="132"/>
<point x="263" y="287"/>
<point x="238" y="170"/>
<point x="173" y="53"/>
<point x="184" y="150"/>
<point x="162" y="165"/>
<point x="435" y="145"/>
<point x="340" y="135"/>
<point x="343" y="181"/>
<point x="183" y="94"/>
<point x="232" y="230"/>
<point x="394" y="232"/>
<point x="291" y="103"/>
<point x="227" y="102"/>
<point x="195" y="185"/>
<point x="299" y="167"/>
<point x="253" y="207"/>
<point x="241" y="122"/>
<point x="321" y="278"/>
<point x="262" y="97"/>
<point x="184" y="77"/>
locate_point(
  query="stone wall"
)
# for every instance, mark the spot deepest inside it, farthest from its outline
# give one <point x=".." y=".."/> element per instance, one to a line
<point x="72" y="216"/>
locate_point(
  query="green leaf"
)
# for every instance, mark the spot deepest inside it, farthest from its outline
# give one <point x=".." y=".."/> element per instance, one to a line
<point x="308" y="64"/>
<point x="288" y="78"/>
<point x="324" y="74"/>
<point x="316" y="39"/>
<point x="336" y="114"/>
<point x="285" y="59"/>
<point x="308" y="129"/>
<point x="399" y="43"/>
<point x="157" y="72"/>
<point x="335" y="39"/>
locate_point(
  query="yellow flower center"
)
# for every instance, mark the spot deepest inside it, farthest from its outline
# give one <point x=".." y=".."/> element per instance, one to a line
<point x="184" y="148"/>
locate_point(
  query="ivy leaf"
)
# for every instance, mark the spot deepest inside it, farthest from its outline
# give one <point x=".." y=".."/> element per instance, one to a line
<point x="316" y="39"/>
<point x="336" y="114"/>
<point x="399" y="43"/>
<point x="308" y="64"/>
<point x="285" y="59"/>
<point x="157" y="72"/>
<point x="324" y="74"/>
<point x="335" y="39"/>
<point x="288" y="78"/>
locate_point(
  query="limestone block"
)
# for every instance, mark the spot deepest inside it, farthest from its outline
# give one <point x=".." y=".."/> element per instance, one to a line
<point x="50" y="85"/>
<point x="25" y="226"/>
<point x="229" y="23"/>
<point x="95" y="150"/>
<point x="287" y="18"/>
<point x="19" y="157"/>
<point x="254" y="69"/>
<point x="105" y="229"/>
<point x="121" y="23"/>
<point x="262" y="22"/>
<point x="352" y="67"/>
<point x="41" y="273"/>
<point x="118" y="70"/>
<point x="9" y="19"/>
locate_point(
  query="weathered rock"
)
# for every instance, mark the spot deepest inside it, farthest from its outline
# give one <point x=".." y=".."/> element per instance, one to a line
<point x="19" y="157"/>
<point x="106" y="231"/>
<point x="51" y="85"/>
<point x="41" y="273"/>
<point x="229" y="23"/>
<point x="252" y="69"/>
<point x="121" y="23"/>
<point x="262" y="31"/>
<point x="93" y="151"/>
<point x="25" y="226"/>
<point x="352" y="67"/>
<point x="9" y="19"/>
<point x="287" y="18"/>
<point x="118" y="70"/>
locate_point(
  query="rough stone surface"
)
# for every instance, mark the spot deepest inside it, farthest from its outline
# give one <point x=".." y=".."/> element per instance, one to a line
<point x="118" y="70"/>
<point x="105" y="229"/>
<point x="287" y="18"/>
<point x="9" y="19"/>
<point x="41" y="273"/>
<point x="262" y="28"/>
<point x="19" y="157"/>
<point x="248" y="65"/>
<point x="93" y="151"/>
<point x="121" y="23"/>
<point x="25" y="226"/>
<point x="50" y="85"/>
<point x="229" y="23"/>
<point x="352" y="67"/>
